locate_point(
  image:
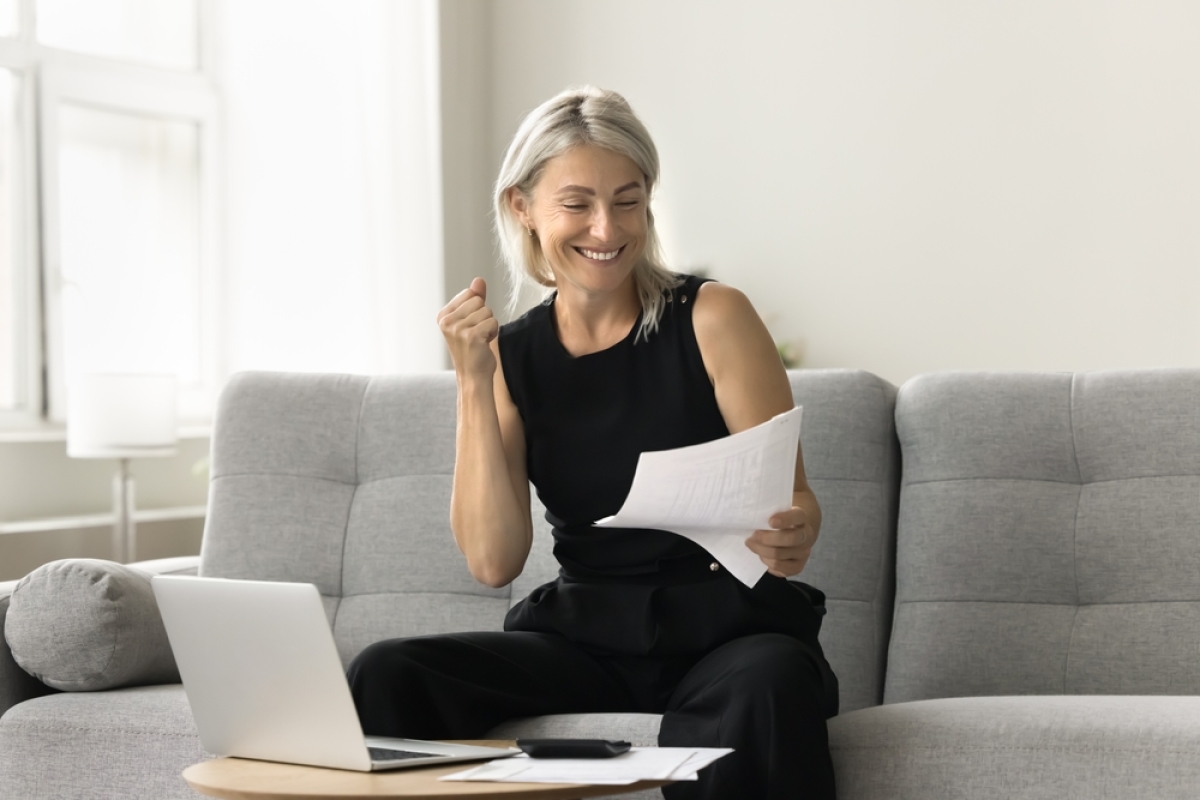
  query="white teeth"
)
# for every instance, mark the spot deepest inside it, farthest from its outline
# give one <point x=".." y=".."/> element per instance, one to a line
<point x="599" y="256"/>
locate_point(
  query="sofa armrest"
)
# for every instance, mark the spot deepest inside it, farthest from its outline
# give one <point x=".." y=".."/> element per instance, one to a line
<point x="179" y="565"/>
<point x="16" y="685"/>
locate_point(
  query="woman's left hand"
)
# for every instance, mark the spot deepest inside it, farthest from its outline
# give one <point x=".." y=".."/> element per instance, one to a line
<point x="786" y="547"/>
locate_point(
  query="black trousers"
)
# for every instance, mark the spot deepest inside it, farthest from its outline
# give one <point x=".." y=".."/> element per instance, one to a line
<point x="765" y="695"/>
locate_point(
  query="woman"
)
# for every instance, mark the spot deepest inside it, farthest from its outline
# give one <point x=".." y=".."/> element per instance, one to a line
<point x="623" y="357"/>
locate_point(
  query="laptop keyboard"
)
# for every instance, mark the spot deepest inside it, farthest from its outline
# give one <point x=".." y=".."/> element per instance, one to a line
<point x="386" y="754"/>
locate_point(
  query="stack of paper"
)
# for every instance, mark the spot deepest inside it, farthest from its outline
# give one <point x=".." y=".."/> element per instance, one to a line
<point x="639" y="764"/>
<point x="717" y="493"/>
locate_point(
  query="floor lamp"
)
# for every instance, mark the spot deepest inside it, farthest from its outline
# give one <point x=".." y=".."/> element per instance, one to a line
<point x="122" y="416"/>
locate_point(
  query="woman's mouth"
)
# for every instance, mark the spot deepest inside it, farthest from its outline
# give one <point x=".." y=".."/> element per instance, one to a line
<point x="599" y="255"/>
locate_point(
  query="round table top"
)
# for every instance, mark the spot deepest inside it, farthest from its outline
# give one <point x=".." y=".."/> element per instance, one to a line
<point x="245" y="779"/>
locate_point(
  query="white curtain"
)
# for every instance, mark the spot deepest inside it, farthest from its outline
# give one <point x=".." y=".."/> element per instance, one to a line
<point x="333" y="211"/>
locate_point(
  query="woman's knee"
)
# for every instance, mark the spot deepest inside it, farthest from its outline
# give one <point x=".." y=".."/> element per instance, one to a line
<point x="392" y="662"/>
<point x="781" y="666"/>
<point x="771" y="668"/>
<point x="380" y="656"/>
<point x="394" y="686"/>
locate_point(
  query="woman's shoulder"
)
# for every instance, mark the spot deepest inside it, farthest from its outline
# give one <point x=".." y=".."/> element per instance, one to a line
<point x="539" y="314"/>
<point x="720" y="306"/>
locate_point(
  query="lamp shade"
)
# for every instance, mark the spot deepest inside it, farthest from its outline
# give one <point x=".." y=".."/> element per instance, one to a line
<point x="121" y="415"/>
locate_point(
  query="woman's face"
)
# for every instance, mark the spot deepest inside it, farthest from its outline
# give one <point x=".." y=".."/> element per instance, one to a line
<point x="589" y="213"/>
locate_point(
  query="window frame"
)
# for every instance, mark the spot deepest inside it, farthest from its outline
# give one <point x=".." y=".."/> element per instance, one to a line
<point x="27" y="289"/>
<point x="55" y="76"/>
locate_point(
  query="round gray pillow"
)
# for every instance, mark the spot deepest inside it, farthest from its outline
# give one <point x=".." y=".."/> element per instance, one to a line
<point x="83" y="625"/>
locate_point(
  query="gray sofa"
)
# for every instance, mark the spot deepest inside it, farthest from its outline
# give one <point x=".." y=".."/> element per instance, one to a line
<point x="1014" y="614"/>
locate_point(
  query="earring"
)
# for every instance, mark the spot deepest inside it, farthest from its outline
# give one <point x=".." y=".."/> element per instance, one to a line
<point x="530" y="233"/>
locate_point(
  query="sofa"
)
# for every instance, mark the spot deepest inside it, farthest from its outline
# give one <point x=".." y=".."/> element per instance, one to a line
<point x="1011" y="560"/>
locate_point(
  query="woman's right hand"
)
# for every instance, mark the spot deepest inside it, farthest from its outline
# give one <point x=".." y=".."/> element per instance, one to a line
<point x="469" y="327"/>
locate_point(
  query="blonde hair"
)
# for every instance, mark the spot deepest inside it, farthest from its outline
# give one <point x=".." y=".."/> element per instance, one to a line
<point x="579" y="116"/>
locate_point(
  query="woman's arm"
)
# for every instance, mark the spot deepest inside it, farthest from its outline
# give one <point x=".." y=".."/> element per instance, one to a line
<point x="489" y="506"/>
<point x="752" y="387"/>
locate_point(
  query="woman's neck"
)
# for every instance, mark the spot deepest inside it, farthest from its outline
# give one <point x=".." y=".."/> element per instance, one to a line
<point x="590" y="322"/>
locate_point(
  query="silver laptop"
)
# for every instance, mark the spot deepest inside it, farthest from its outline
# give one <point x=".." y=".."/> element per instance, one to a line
<point x="264" y="680"/>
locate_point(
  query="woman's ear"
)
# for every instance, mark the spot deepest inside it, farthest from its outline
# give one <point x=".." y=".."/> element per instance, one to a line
<point x="519" y="203"/>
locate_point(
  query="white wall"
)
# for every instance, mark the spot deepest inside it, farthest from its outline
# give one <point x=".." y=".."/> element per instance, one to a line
<point x="467" y="161"/>
<point x="907" y="186"/>
<point x="39" y="481"/>
<point x="910" y="186"/>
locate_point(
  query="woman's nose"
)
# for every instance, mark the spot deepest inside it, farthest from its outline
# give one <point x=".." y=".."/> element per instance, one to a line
<point x="602" y="227"/>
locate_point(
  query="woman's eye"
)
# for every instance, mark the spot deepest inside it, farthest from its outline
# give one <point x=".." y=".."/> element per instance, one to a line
<point x="574" y="207"/>
<point x="628" y="204"/>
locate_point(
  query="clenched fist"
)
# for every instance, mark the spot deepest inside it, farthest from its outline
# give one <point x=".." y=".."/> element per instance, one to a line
<point x="469" y="327"/>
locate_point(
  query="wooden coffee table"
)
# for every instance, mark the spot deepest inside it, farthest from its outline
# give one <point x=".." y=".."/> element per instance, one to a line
<point x="244" y="779"/>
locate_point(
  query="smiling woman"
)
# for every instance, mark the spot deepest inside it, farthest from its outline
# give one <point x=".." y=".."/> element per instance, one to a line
<point x="588" y="216"/>
<point x="622" y="357"/>
<point x="613" y="138"/>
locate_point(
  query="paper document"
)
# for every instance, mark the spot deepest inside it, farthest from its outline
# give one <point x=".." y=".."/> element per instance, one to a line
<point x="719" y="492"/>
<point x="639" y="764"/>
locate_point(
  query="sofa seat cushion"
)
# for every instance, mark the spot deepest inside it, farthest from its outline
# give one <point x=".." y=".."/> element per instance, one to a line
<point x="116" y="744"/>
<point x="641" y="730"/>
<point x="1020" y="747"/>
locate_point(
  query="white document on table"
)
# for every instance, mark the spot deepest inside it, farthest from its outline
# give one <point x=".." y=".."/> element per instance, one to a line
<point x="638" y="764"/>
<point x="717" y="493"/>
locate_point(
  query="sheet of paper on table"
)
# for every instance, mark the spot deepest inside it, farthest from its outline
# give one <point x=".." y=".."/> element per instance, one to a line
<point x="719" y="492"/>
<point x="639" y="764"/>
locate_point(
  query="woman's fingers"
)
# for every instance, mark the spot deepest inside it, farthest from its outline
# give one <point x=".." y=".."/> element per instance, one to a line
<point x="469" y="327"/>
<point x="781" y="561"/>
<point x="464" y="302"/>
<point x="481" y="324"/>
<point x="794" y="517"/>
<point x="784" y="551"/>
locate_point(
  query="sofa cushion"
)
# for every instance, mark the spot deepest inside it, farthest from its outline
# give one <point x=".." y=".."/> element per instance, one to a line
<point x="1047" y="535"/>
<point x="1020" y="748"/>
<point x="15" y="683"/>
<point x="86" y="625"/>
<point x="101" y="745"/>
<point x="344" y="482"/>
<point x="852" y="460"/>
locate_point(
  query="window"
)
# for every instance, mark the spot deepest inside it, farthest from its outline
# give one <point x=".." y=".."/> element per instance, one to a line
<point x="19" y="298"/>
<point x="161" y="32"/>
<point x="120" y="183"/>
<point x="128" y="187"/>
<point x="8" y="17"/>
<point x="111" y="256"/>
<point x="9" y="245"/>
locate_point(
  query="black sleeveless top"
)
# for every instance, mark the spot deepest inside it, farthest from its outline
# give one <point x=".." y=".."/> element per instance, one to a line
<point x="588" y="418"/>
<point x="624" y="590"/>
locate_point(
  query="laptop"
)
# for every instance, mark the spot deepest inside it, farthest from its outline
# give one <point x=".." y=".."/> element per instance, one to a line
<point x="264" y="680"/>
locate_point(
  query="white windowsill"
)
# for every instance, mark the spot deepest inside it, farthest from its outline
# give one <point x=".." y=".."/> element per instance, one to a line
<point x="52" y="432"/>
<point x="100" y="520"/>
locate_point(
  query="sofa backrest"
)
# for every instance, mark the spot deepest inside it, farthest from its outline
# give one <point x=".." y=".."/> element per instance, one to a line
<point x="1049" y="535"/>
<point x="344" y="481"/>
<point x="852" y="460"/>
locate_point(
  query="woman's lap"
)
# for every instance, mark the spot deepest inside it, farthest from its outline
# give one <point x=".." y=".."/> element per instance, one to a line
<point x="461" y="685"/>
<point x="765" y="695"/>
